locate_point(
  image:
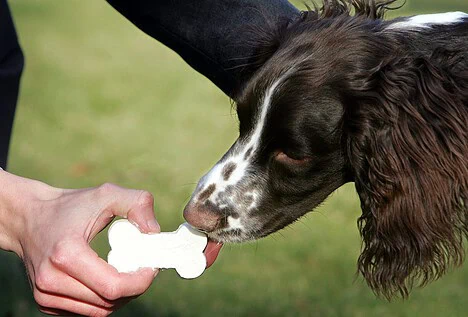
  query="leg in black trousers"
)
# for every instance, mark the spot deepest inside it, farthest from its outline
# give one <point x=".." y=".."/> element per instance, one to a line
<point x="11" y="66"/>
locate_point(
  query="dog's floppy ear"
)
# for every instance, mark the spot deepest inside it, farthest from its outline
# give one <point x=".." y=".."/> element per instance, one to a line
<point x="408" y="151"/>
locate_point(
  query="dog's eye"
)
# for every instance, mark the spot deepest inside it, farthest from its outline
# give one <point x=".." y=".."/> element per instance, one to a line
<point x="290" y="158"/>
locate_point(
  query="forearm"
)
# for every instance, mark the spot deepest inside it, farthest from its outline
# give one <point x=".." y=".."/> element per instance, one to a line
<point x="211" y="36"/>
<point x="18" y="196"/>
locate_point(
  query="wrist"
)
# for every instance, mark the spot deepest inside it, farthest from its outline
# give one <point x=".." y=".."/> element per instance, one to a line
<point x="19" y="199"/>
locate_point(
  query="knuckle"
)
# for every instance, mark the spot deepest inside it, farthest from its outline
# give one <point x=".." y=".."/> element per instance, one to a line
<point x="44" y="281"/>
<point x="62" y="255"/>
<point x="145" y="198"/>
<point x="111" y="292"/>
<point x="106" y="188"/>
<point x="41" y="299"/>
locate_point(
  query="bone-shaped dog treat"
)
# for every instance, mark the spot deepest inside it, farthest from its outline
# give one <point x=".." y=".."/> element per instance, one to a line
<point x="181" y="249"/>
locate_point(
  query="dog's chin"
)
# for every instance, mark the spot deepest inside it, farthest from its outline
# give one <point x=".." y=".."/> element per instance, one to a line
<point x="251" y="232"/>
<point x="233" y="236"/>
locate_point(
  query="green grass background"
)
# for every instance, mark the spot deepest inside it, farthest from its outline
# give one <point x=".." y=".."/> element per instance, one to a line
<point x="102" y="102"/>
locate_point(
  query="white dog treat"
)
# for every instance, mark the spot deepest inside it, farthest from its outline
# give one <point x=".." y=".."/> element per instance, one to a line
<point x="181" y="249"/>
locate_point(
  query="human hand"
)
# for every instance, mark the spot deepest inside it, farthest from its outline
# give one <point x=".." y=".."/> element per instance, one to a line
<point x="50" y="229"/>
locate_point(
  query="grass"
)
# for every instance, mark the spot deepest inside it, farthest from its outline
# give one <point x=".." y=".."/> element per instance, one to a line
<point x="101" y="102"/>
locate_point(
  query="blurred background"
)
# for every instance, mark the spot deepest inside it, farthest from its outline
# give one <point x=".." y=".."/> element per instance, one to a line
<point x="87" y="115"/>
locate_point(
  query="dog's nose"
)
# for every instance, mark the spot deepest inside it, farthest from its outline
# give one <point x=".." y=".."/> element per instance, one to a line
<point x="202" y="217"/>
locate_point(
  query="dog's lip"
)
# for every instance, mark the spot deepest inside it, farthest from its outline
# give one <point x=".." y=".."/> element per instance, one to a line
<point x="211" y="251"/>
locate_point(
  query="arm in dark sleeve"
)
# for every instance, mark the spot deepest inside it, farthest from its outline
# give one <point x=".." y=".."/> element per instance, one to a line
<point x="208" y="34"/>
<point x="11" y="66"/>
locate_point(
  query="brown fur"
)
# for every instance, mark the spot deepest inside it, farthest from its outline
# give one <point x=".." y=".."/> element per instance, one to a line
<point x="404" y="130"/>
<point x="408" y="147"/>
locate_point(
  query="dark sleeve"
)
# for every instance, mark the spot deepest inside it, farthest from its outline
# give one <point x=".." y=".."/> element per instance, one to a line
<point x="11" y="66"/>
<point x="210" y="35"/>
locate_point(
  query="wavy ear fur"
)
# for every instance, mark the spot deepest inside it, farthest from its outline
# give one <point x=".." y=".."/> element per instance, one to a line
<point x="267" y="40"/>
<point x="408" y="149"/>
<point x="374" y="9"/>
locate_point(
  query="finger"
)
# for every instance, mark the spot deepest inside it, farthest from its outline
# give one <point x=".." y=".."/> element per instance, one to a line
<point x="84" y="265"/>
<point x="60" y="305"/>
<point x="61" y="284"/>
<point x="136" y="205"/>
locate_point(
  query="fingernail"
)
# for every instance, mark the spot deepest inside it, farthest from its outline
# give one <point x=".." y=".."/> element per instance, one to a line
<point x="135" y="224"/>
<point x="138" y="271"/>
<point x="143" y="270"/>
<point x="153" y="226"/>
<point x="155" y="272"/>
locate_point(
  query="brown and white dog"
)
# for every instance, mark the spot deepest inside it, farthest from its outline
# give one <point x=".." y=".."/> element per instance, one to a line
<point x="343" y="97"/>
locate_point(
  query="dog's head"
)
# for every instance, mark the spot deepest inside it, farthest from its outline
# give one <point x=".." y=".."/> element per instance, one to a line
<point x="292" y="150"/>
<point x="289" y="155"/>
<point x="335" y="100"/>
<point x="287" y="159"/>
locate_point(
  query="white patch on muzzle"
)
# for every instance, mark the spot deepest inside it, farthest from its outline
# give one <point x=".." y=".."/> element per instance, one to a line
<point x="219" y="197"/>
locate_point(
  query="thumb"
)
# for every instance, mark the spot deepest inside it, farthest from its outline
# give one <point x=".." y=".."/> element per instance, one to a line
<point x="135" y="205"/>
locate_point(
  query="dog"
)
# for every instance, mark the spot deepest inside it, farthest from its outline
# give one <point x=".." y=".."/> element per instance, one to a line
<point x="340" y="97"/>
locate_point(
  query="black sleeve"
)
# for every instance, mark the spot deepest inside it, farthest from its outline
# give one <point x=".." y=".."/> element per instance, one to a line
<point x="11" y="66"/>
<point x="208" y="34"/>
